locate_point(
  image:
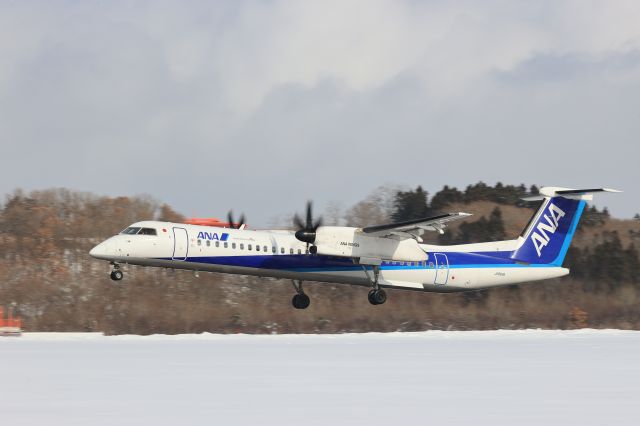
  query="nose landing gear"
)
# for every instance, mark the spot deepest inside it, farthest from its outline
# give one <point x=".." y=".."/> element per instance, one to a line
<point x="116" y="274"/>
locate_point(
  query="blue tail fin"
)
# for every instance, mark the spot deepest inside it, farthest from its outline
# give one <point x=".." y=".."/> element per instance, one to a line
<point x="547" y="238"/>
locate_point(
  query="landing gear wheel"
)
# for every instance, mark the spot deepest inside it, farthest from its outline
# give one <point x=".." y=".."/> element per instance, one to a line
<point x="301" y="301"/>
<point x="116" y="275"/>
<point x="377" y="297"/>
<point x="380" y="296"/>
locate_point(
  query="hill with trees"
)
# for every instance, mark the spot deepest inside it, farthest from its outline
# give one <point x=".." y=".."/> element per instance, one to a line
<point x="48" y="278"/>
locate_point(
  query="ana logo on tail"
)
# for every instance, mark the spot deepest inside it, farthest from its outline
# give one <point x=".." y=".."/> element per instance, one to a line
<point x="539" y="237"/>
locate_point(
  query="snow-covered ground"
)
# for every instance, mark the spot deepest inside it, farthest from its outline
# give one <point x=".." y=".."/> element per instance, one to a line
<point x="584" y="377"/>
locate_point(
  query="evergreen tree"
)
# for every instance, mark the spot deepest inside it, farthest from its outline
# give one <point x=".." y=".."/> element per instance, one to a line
<point x="479" y="231"/>
<point x="575" y="261"/>
<point x="534" y="190"/>
<point x="410" y="205"/>
<point x="479" y="191"/>
<point x="473" y="232"/>
<point x="607" y="263"/>
<point x="495" y="226"/>
<point x="444" y="197"/>
<point x="632" y="264"/>
<point x="593" y="217"/>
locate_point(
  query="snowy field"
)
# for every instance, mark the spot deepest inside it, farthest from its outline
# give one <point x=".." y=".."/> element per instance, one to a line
<point x="584" y="377"/>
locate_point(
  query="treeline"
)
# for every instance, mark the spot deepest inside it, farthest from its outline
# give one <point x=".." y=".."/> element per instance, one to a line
<point x="47" y="276"/>
<point x="61" y="214"/>
<point x="605" y="265"/>
<point x="413" y="204"/>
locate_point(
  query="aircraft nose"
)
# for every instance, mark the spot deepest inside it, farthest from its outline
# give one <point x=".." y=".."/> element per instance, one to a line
<point x="100" y="251"/>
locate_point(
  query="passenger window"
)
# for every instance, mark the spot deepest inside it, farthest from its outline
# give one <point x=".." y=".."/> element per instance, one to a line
<point x="241" y="246"/>
<point x="299" y="251"/>
<point x="258" y="248"/>
<point x="249" y="246"/>
<point x="282" y="250"/>
<point x="208" y="243"/>
<point x="218" y="244"/>
<point x="264" y="248"/>
<point x="290" y="251"/>
<point x="226" y="244"/>
<point x="273" y="249"/>
<point x="233" y="245"/>
<point x="199" y="242"/>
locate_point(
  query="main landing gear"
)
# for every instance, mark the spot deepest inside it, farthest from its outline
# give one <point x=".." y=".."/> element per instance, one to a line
<point x="377" y="296"/>
<point x="116" y="274"/>
<point x="300" y="299"/>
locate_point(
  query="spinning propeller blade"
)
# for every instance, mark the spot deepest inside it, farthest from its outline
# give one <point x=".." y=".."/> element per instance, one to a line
<point x="307" y="230"/>
<point x="232" y="223"/>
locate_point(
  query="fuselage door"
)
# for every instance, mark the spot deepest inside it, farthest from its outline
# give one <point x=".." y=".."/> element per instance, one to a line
<point x="442" y="268"/>
<point x="180" y="244"/>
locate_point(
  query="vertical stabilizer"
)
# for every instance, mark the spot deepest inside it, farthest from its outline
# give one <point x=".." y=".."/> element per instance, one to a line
<point x="547" y="238"/>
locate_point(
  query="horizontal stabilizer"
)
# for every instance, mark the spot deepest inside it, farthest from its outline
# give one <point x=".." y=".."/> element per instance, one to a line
<point x="577" y="194"/>
<point x="547" y="237"/>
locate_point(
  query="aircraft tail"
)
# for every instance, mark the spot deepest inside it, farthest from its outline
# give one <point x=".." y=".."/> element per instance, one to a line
<point x="546" y="238"/>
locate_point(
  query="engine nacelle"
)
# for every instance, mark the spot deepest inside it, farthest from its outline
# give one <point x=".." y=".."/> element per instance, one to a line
<point x="352" y="242"/>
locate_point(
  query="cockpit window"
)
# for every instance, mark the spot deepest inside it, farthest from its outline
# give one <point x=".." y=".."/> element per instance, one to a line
<point x="132" y="230"/>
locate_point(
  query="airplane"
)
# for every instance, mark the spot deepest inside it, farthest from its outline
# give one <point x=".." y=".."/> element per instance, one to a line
<point x="388" y="256"/>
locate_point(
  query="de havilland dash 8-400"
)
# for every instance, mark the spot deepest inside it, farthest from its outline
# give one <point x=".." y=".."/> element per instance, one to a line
<point x="388" y="256"/>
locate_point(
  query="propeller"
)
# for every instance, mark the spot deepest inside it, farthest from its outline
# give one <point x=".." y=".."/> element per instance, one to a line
<point x="307" y="230"/>
<point x="233" y="224"/>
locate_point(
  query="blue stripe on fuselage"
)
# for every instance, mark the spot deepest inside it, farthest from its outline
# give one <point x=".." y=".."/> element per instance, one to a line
<point x="314" y="263"/>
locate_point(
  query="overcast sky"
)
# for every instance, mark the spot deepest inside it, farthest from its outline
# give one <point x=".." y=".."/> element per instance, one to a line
<point x="262" y="105"/>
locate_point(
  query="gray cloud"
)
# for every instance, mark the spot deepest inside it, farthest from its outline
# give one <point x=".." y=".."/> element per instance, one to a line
<point x="260" y="106"/>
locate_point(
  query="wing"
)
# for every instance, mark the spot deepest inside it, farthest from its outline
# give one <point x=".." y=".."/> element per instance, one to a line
<point x="414" y="228"/>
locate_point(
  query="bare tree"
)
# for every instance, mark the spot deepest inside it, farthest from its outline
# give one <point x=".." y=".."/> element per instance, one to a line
<point x="375" y="209"/>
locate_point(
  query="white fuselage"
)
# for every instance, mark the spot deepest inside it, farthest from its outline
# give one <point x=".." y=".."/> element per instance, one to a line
<point x="279" y="254"/>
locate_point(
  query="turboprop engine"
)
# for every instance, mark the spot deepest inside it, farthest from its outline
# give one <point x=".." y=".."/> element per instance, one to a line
<point x="352" y="242"/>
